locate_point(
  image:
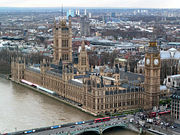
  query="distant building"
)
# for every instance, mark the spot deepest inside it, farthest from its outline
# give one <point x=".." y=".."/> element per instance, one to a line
<point x="174" y="44"/>
<point x="84" y="26"/>
<point x="113" y="14"/>
<point x="70" y="13"/>
<point x="175" y="104"/>
<point x="170" y="63"/>
<point x="172" y="81"/>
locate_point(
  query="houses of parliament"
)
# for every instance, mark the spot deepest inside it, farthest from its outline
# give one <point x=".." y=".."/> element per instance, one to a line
<point x="107" y="90"/>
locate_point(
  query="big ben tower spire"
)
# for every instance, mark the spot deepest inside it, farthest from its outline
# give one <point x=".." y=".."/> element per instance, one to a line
<point x="152" y="76"/>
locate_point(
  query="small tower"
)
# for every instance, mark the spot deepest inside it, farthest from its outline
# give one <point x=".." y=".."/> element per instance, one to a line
<point x="83" y="60"/>
<point x="44" y="66"/>
<point x="60" y="67"/>
<point x="102" y="82"/>
<point x="152" y="76"/>
<point x="17" y="68"/>
<point x="116" y="76"/>
<point x="67" y="73"/>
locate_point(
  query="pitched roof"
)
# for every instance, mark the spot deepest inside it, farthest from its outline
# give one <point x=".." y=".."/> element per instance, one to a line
<point x="131" y="76"/>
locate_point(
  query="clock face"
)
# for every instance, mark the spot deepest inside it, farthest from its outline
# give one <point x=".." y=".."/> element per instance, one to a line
<point x="156" y="61"/>
<point x="147" y="61"/>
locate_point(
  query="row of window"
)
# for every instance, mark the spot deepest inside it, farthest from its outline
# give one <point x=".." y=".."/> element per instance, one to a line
<point x="83" y="61"/>
<point x="175" y="101"/>
<point x="121" y="97"/>
<point x="124" y="91"/>
<point x="120" y="104"/>
<point x="65" y="57"/>
<point x="65" y="43"/>
<point x="70" y="92"/>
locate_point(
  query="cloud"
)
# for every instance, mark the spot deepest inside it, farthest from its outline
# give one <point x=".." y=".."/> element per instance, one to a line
<point x="92" y="3"/>
<point x="157" y="3"/>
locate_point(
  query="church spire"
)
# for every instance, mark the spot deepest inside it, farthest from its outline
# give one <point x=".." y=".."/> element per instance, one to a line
<point x="83" y="61"/>
<point x="83" y="46"/>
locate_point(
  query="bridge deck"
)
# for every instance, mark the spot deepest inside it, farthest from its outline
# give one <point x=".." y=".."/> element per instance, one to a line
<point x="88" y="126"/>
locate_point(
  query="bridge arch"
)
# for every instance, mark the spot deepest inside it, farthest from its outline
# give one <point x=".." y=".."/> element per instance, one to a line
<point x="113" y="127"/>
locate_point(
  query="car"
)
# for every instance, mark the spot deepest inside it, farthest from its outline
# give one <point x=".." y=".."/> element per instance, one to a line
<point x="72" y="126"/>
<point x="91" y="123"/>
<point x="30" y="131"/>
<point x="167" y="124"/>
<point x="79" y="123"/>
<point x="54" y="127"/>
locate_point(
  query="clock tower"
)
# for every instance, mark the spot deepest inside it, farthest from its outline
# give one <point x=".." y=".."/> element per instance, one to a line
<point x="152" y="76"/>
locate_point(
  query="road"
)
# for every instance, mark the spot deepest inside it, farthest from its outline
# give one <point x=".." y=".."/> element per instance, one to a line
<point x="90" y="124"/>
<point x="158" y="127"/>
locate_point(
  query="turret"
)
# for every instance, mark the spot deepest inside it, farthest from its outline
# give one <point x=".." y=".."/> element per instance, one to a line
<point x="17" y="68"/>
<point x="70" y="19"/>
<point x="60" y="66"/>
<point x="83" y="60"/>
<point x="102" y="83"/>
<point x="43" y="66"/>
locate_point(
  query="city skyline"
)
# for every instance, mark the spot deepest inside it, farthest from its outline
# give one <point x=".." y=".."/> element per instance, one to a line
<point x="92" y="3"/>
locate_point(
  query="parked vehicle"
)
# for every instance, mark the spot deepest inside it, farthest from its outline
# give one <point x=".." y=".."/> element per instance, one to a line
<point x="150" y="121"/>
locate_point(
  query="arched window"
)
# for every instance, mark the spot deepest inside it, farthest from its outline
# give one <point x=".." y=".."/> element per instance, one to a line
<point x="140" y="71"/>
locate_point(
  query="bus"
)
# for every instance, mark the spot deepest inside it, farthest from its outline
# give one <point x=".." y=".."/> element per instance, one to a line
<point x="34" y="85"/>
<point x="102" y="119"/>
<point x="152" y="114"/>
<point x="26" y="82"/>
<point x="165" y="112"/>
<point x="29" y="83"/>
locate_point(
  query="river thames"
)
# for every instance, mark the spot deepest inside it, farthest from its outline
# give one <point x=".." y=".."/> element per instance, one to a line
<point x="22" y="108"/>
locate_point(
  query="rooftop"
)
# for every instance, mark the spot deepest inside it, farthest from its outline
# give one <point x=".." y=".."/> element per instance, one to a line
<point x="176" y="95"/>
<point x="131" y="76"/>
<point x="170" y="54"/>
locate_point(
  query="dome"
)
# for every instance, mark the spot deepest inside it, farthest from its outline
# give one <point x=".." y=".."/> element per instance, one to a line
<point x="172" y="50"/>
<point x="170" y="54"/>
<point x="165" y="55"/>
<point x="177" y="55"/>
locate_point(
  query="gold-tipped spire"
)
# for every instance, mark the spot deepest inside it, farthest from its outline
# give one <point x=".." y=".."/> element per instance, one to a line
<point x="153" y="44"/>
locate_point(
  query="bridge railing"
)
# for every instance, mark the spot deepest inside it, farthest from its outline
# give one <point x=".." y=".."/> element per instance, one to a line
<point x="59" y="126"/>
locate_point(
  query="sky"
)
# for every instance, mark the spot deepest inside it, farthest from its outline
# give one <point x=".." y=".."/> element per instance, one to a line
<point x="93" y="3"/>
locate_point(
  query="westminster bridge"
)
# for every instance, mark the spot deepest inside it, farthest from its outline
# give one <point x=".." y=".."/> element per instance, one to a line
<point x="82" y="127"/>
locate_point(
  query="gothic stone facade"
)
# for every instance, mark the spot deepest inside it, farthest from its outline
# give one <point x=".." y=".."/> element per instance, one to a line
<point x="96" y="94"/>
<point x="104" y="92"/>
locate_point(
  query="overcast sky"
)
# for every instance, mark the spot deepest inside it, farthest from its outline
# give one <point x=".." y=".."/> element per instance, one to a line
<point x="92" y="3"/>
